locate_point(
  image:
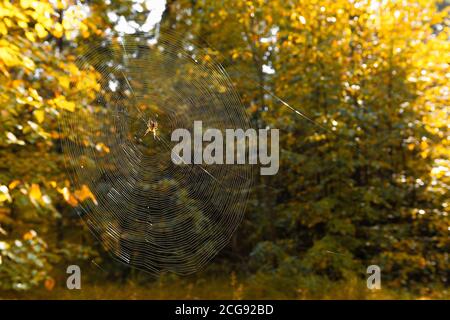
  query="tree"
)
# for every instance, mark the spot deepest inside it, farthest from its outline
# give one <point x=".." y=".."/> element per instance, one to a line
<point x="360" y="186"/>
<point x="40" y="80"/>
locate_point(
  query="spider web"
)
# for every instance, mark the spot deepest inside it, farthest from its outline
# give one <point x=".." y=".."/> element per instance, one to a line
<point x="147" y="211"/>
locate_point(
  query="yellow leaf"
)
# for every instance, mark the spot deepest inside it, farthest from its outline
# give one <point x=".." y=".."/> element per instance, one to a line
<point x="29" y="235"/>
<point x="58" y="30"/>
<point x="8" y="22"/>
<point x="65" y="192"/>
<point x="13" y="184"/>
<point x="4" y="194"/>
<point x="28" y="63"/>
<point x="40" y="115"/>
<point x="72" y="201"/>
<point x="61" y="102"/>
<point x="13" y="139"/>
<point x="68" y="34"/>
<point x="3" y="197"/>
<point x="30" y="36"/>
<point x="35" y="192"/>
<point x="34" y="94"/>
<point x="85" y="193"/>
<point x="3" y="29"/>
<point x="41" y="32"/>
<point x="68" y="197"/>
<point x="73" y="69"/>
<point x="61" y="4"/>
<point x="10" y="56"/>
<point x="68" y="105"/>
<point x="25" y="3"/>
<point x="102" y="147"/>
<point x="64" y="82"/>
<point x="22" y="24"/>
<point x="222" y="89"/>
<point x="424" y="145"/>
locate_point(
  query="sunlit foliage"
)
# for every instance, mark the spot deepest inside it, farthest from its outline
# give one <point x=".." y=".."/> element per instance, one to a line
<point x="367" y="184"/>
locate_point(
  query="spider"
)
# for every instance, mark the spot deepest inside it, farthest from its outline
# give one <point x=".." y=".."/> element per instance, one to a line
<point x="152" y="126"/>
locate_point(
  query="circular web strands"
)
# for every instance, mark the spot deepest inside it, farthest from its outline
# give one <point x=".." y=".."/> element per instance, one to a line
<point x="149" y="212"/>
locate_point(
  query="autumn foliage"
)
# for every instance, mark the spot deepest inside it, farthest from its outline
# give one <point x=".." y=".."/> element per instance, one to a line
<point x="365" y="172"/>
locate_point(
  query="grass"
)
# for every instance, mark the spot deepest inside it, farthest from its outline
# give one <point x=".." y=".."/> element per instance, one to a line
<point x="220" y="287"/>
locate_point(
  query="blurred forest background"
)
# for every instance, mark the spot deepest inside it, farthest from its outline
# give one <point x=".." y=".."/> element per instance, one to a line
<point x="372" y="190"/>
